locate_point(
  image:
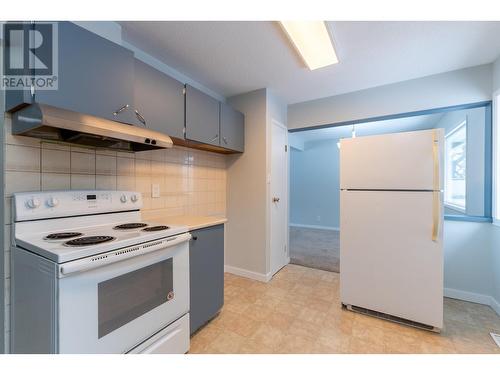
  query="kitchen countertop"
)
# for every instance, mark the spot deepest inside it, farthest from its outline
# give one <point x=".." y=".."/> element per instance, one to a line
<point x="192" y="222"/>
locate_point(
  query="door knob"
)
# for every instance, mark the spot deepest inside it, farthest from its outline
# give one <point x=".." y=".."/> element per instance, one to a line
<point x="276" y="200"/>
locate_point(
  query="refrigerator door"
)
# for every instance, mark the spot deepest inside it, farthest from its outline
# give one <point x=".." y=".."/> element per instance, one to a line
<point x="398" y="161"/>
<point x="389" y="261"/>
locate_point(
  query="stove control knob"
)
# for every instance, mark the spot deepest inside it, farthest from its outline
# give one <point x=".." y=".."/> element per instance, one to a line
<point x="134" y="198"/>
<point x="123" y="198"/>
<point x="52" y="202"/>
<point x="33" y="203"/>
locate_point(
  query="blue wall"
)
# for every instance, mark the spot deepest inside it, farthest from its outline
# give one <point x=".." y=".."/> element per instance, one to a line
<point x="314" y="184"/>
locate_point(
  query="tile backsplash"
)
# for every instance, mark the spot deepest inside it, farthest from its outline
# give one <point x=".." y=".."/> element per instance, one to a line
<point x="191" y="182"/>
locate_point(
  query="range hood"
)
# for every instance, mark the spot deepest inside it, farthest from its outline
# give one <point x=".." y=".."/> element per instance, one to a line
<point x="51" y="123"/>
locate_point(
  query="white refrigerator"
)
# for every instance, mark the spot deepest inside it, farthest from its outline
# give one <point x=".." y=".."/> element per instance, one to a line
<point x="391" y="226"/>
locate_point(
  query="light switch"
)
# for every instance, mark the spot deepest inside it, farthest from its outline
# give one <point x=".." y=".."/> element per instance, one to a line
<point x="155" y="190"/>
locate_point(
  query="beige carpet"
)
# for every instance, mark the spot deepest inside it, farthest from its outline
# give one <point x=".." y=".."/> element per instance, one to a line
<point x="315" y="248"/>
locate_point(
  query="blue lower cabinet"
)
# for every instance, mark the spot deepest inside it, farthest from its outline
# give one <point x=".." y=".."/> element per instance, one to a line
<point x="206" y="275"/>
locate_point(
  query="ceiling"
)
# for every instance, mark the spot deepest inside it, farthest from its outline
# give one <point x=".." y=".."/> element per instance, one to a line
<point x="233" y="57"/>
<point x="369" y="128"/>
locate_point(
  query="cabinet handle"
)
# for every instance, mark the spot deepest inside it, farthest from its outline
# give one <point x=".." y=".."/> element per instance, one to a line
<point x="214" y="138"/>
<point x="140" y="117"/>
<point x="194" y="238"/>
<point x="119" y="110"/>
<point x="225" y="140"/>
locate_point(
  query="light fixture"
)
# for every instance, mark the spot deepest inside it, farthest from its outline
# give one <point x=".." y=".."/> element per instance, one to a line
<point x="312" y="41"/>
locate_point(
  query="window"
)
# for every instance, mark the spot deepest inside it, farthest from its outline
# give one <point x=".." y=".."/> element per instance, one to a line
<point x="129" y="296"/>
<point x="455" y="172"/>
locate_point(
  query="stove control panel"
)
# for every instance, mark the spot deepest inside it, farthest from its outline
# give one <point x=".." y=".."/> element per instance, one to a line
<point x="52" y="204"/>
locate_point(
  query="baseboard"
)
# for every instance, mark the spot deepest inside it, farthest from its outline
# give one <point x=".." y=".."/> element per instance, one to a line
<point x="248" y="274"/>
<point x="313" y="226"/>
<point x="495" y="305"/>
<point x="473" y="297"/>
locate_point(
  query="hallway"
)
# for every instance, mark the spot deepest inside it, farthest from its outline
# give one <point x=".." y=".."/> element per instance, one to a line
<point x="315" y="248"/>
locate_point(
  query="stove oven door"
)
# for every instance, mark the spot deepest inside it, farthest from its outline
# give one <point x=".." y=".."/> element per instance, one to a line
<point x="113" y="308"/>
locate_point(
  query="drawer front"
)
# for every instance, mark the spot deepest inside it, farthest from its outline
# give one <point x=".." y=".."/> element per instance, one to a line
<point x="172" y="340"/>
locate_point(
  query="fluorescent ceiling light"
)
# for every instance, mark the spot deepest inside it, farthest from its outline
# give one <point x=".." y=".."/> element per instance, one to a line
<point x="312" y="41"/>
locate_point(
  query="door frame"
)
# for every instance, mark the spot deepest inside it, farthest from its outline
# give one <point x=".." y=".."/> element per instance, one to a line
<point x="285" y="199"/>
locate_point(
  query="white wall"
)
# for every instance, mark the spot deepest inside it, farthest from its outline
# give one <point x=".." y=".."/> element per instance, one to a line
<point x="458" y="87"/>
<point x="248" y="227"/>
<point x="496" y="75"/>
<point x="246" y="233"/>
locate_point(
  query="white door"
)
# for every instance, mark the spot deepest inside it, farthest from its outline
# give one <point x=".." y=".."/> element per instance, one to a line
<point x="279" y="197"/>
<point x="391" y="253"/>
<point x="405" y="161"/>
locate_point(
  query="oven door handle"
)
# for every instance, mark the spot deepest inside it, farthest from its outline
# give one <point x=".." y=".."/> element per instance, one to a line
<point x="119" y="255"/>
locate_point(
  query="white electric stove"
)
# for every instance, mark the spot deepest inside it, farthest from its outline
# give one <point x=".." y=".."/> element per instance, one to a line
<point x="90" y="276"/>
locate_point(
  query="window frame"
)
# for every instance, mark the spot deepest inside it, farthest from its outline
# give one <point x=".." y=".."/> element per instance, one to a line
<point x="450" y="205"/>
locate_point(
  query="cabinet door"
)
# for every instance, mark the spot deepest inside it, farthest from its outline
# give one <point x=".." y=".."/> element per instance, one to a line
<point x="159" y="99"/>
<point x="206" y="275"/>
<point x="202" y="117"/>
<point x="232" y="128"/>
<point x="95" y="75"/>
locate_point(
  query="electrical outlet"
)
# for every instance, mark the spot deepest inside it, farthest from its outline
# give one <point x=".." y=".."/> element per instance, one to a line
<point x="155" y="190"/>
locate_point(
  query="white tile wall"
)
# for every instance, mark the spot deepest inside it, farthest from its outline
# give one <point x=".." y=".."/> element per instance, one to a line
<point x="191" y="182"/>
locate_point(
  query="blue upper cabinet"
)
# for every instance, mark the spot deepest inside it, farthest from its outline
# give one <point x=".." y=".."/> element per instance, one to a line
<point x="232" y="128"/>
<point x="214" y="124"/>
<point x="158" y="100"/>
<point x="202" y="117"/>
<point x="95" y="76"/>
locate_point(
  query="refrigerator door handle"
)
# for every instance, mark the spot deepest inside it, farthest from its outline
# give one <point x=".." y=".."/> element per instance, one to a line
<point x="436" y="200"/>
<point x="435" y="157"/>
<point x="436" y="215"/>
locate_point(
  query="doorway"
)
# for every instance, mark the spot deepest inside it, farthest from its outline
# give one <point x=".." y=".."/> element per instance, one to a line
<point x="315" y="186"/>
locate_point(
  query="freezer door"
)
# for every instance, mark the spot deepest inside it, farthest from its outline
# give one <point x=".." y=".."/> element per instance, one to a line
<point x="389" y="261"/>
<point x="410" y="161"/>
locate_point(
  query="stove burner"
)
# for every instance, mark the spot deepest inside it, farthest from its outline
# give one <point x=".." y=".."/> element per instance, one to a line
<point x="156" y="228"/>
<point x="130" y="226"/>
<point x="90" y="240"/>
<point x="62" y="235"/>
